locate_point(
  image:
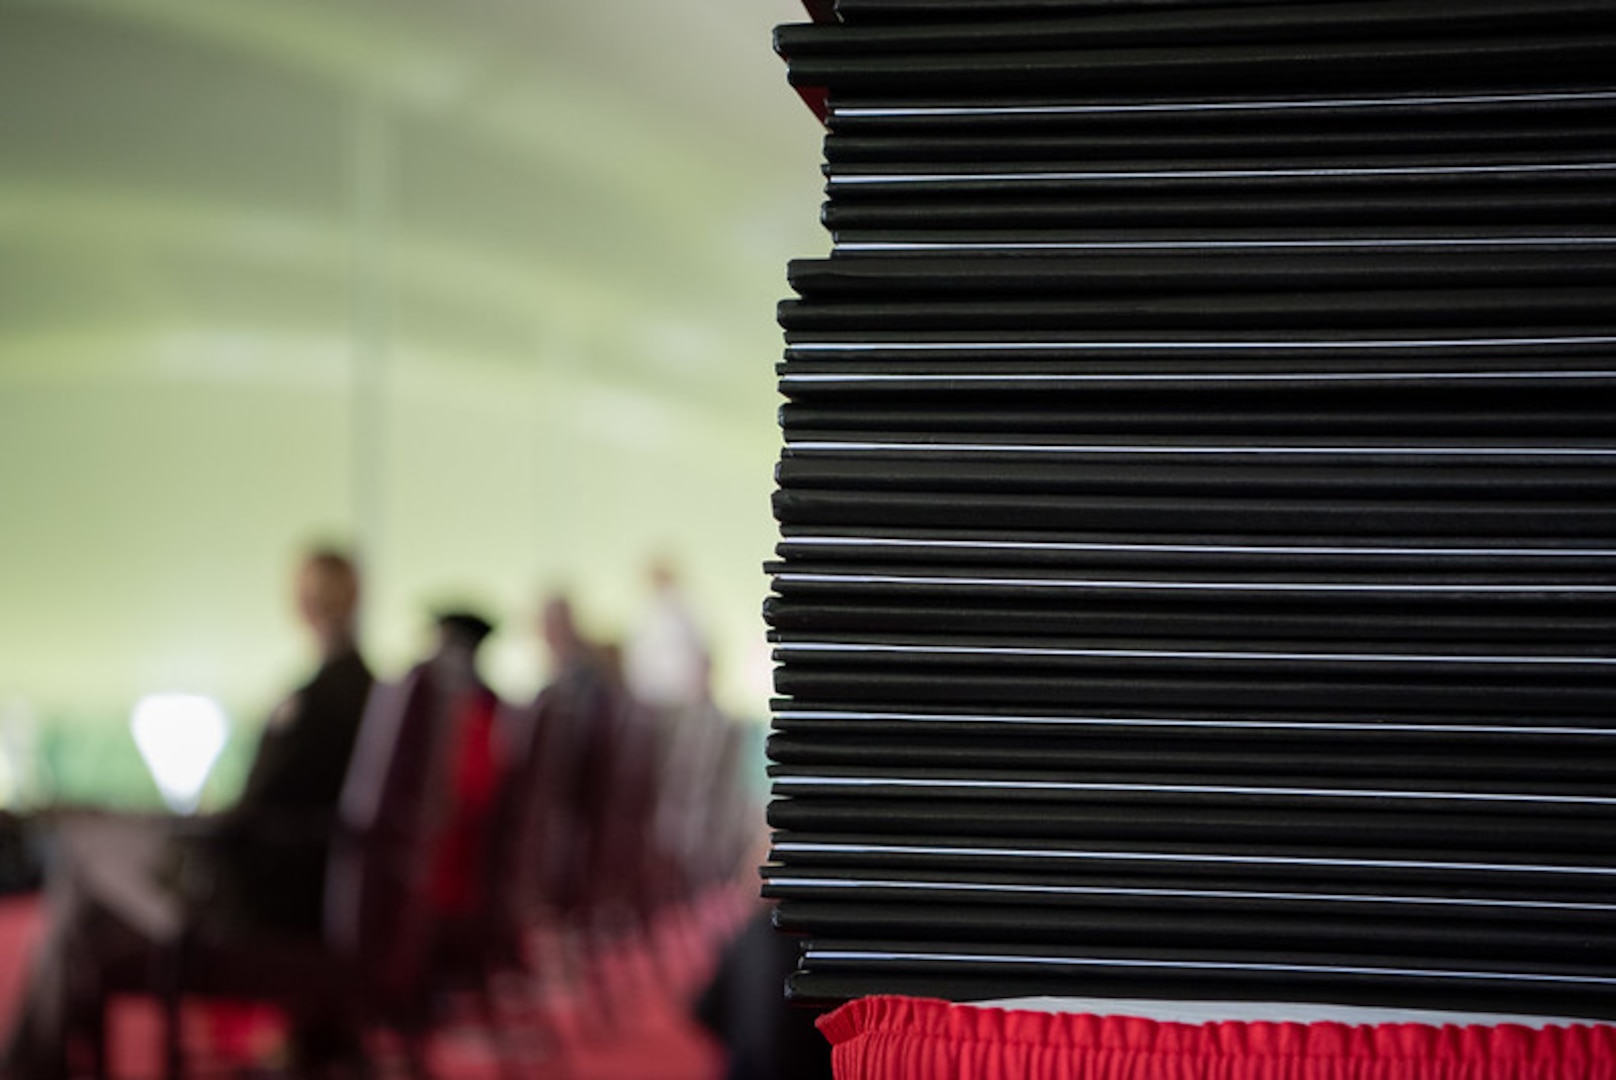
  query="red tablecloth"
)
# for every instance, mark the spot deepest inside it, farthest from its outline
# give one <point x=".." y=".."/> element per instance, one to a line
<point x="899" y="1038"/>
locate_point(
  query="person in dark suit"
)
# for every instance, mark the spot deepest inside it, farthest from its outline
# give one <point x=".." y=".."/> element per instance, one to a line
<point x="272" y="845"/>
<point x="764" y="1036"/>
<point x="116" y="883"/>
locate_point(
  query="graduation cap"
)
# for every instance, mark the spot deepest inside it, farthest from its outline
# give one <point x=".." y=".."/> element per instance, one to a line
<point x="466" y="626"/>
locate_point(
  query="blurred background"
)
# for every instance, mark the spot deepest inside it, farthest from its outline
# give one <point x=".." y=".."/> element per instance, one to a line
<point x="484" y="290"/>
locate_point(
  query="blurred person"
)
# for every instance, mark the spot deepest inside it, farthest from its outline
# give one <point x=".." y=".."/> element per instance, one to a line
<point x="665" y="660"/>
<point x="692" y="834"/>
<point x="555" y="741"/>
<point x="765" y="1037"/>
<point x="473" y="765"/>
<point x="272" y="844"/>
<point x="259" y="866"/>
<point x="569" y="652"/>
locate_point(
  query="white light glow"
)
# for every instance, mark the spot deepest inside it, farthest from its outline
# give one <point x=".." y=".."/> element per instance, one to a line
<point x="179" y="737"/>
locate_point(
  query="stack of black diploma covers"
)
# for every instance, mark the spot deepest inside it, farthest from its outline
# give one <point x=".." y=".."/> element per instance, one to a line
<point x="1197" y="574"/>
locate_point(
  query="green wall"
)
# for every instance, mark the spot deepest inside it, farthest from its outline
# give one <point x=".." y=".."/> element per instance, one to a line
<point x="486" y="289"/>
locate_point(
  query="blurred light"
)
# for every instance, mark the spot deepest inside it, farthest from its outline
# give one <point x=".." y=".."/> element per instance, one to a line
<point x="18" y="774"/>
<point x="179" y="737"/>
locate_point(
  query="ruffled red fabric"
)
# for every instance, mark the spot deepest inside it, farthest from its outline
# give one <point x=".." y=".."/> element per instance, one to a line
<point x="900" y="1038"/>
